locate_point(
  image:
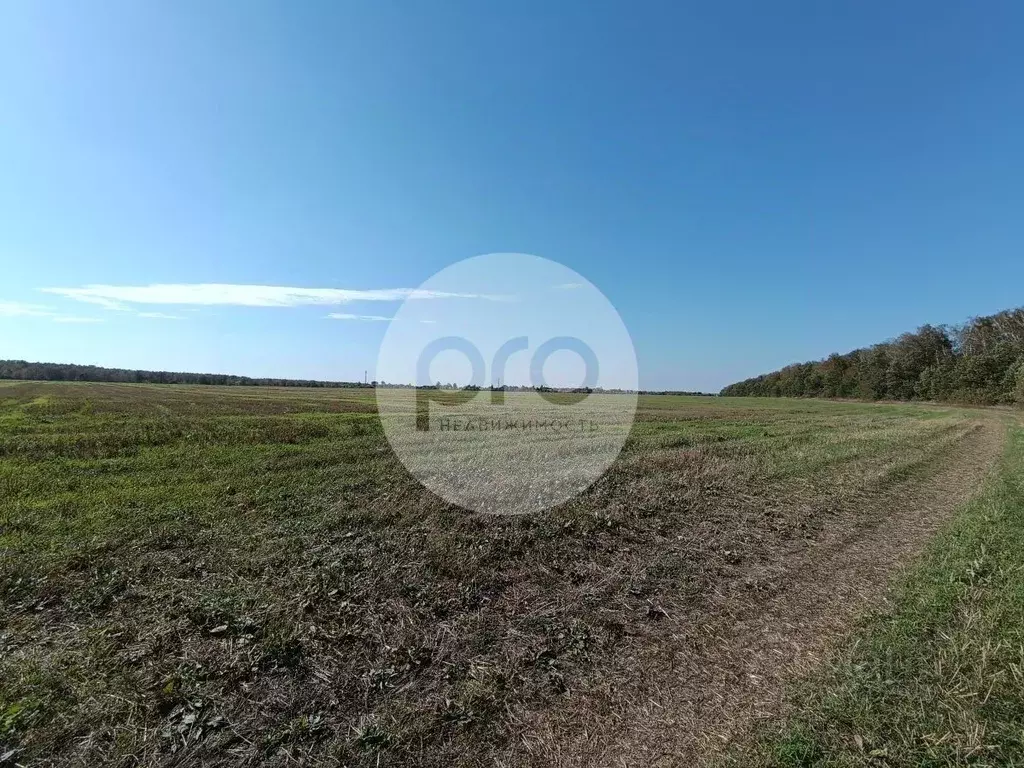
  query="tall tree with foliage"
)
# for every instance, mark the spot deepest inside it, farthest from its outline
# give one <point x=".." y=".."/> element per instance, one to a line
<point x="980" y="362"/>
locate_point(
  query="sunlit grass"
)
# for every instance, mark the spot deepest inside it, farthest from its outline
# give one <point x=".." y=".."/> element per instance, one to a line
<point x="938" y="678"/>
<point x="238" y="573"/>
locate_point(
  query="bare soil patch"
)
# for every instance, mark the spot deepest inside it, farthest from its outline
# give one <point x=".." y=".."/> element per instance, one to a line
<point x="218" y="577"/>
<point x="710" y="674"/>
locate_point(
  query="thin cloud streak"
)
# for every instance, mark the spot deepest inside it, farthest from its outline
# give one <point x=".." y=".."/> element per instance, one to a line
<point x="20" y="309"/>
<point x="116" y="297"/>
<point x="345" y="316"/>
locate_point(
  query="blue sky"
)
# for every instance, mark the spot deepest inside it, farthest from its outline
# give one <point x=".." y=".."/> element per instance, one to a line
<point x="750" y="184"/>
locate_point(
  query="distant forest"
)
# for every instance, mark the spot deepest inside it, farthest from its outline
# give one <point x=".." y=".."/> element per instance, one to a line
<point x="25" y="371"/>
<point x="20" y="369"/>
<point x="980" y="362"/>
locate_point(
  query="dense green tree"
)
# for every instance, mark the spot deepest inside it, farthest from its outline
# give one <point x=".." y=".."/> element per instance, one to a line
<point x="981" y="362"/>
<point x="26" y="371"/>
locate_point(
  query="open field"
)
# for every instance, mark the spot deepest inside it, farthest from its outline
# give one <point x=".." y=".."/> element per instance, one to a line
<point x="248" y="576"/>
<point x="935" y="676"/>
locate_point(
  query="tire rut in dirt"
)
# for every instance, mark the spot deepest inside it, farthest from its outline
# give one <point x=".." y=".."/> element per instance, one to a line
<point x="709" y="675"/>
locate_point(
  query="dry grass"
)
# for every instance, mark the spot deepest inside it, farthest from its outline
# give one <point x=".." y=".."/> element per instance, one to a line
<point x="933" y="678"/>
<point x="248" y="576"/>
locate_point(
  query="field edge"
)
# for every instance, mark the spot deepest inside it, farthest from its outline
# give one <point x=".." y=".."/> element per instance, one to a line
<point x="935" y="678"/>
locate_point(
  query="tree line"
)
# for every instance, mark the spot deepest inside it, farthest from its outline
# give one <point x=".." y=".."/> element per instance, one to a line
<point x="980" y="362"/>
<point x="22" y="370"/>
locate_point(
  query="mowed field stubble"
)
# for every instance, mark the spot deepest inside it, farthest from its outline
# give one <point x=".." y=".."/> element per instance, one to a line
<point x="231" y="575"/>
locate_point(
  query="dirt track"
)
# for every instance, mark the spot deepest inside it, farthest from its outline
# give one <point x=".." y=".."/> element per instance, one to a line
<point x="647" y="622"/>
<point x="708" y="678"/>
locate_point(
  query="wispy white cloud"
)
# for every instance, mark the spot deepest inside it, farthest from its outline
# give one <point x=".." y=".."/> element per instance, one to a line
<point x="20" y="309"/>
<point x="116" y="297"/>
<point x="160" y="316"/>
<point x="570" y="286"/>
<point x="346" y="316"/>
<point x="90" y="299"/>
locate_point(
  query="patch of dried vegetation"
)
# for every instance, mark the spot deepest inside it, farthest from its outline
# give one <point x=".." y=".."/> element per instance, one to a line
<point x="271" y="623"/>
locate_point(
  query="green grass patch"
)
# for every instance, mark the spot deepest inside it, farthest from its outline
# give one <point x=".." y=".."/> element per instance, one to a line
<point x="938" y="678"/>
<point x="230" y="575"/>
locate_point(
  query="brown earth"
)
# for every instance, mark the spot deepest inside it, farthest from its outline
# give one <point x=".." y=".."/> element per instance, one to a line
<point x="709" y="676"/>
<point x="265" y="584"/>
